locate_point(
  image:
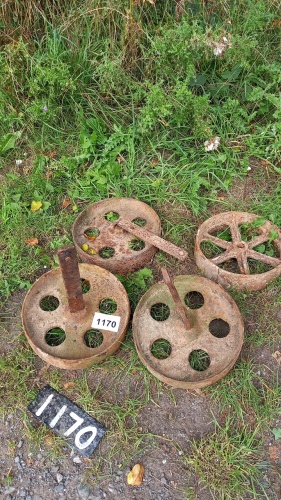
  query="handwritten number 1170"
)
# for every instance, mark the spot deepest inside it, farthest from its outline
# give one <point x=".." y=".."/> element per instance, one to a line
<point x="108" y="321"/>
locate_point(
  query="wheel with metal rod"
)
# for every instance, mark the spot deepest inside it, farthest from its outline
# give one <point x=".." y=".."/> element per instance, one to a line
<point x="59" y="309"/>
<point x="121" y="235"/>
<point x="239" y="250"/>
<point x="188" y="333"/>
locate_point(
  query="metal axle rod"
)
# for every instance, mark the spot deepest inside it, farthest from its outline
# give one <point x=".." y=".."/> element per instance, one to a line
<point x="152" y="238"/>
<point x="176" y="298"/>
<point x="71" y="278"/>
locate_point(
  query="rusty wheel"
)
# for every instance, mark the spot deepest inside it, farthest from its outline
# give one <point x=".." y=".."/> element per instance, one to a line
<point x="196" y="356"/>
<point x="99" y="240"/>
<point x="239" y="250"/>
<point x="68" y="340"/>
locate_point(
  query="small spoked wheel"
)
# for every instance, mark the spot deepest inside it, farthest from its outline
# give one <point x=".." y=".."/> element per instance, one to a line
<point x="239" y="250"/>
<point x="196" y="356"/>
<point x="101" y="241"/>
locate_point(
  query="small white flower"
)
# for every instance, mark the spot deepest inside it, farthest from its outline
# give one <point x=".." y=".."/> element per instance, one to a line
<point x="249" y="168"/>
<point x="19" y="162"/>
<point x="212" y="144"/>
<point x="220" y="47"/>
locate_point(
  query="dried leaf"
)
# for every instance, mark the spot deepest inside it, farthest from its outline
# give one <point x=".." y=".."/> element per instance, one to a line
<point x="120" y="159"/>
<point x="65" y="203"/>
<point x="277" y="355"/>
<point x="49" y="440"/>
<point x="135" y="477"/>
<point x="69" y="385"/>
<point x="36" y="205"/>
<point x="32" y="242"/>
<point x="51" y="155"/>
<point x="273" y="452"/>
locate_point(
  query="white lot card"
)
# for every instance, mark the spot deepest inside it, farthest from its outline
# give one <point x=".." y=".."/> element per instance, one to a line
<point x="106" y="322"/>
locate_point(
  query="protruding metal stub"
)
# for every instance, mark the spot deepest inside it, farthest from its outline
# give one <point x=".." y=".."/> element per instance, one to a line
<point x="195" y="357"/>
<point x="71" y="278"/>
<point x="153" y="239"/>
<point x="176" y="298"/>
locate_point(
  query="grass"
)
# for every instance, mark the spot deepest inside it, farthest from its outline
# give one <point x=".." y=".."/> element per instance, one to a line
<point x="125" y="110"/>
<point x="227" y="461"/>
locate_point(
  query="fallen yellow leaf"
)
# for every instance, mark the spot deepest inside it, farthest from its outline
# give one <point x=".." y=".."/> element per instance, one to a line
<point x="36" y="205"/>
<point x="135" y="477"/>
<point x="85" y="247"/>
<point x="32" y="242"/>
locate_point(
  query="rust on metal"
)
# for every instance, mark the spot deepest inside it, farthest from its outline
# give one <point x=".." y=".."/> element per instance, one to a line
<point x="248" y="262"/>
<point x="152" y="239"/>
<point x="71" y="277"/>
<point x="176" y="298"/>
<point x="80" y="346"/>
<point x="112" y="247"/>
<point x="101" y="218"/>
<point x="217" y="332"/>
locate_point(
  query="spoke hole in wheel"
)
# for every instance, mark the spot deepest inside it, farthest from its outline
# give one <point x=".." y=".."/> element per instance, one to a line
<point x="160" y="311"/>
<point x="161" y="349"/>
<point x="91" y="233"/>
<point x="107" y="306"/>
<point x="210" y="250"/>
<point x="139" y="222"/>
<point x="199" y="360"/>
<point x="49" y="303"/>
<point x="55" y="336"/>
<point x="268" y="248"/>
<point x="106" y="252"/>
<point x="85" y="284"/>
<point x="223" y="233"/>
<point x="194" y="300"/>
<point x="112" y="216"/>
<point x="247" y="232"/>
<point x="93" y="338"/>
<point x="219" y="328"/>
<point x="230" y="265"/>
<point x="136" y="245"/>
<point x="257" y="267"/>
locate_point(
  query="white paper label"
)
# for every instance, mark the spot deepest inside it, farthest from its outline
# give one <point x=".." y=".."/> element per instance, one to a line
<point x="106" y="322"/>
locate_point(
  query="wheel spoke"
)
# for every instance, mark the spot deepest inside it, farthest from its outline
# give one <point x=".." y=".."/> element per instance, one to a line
<point x="223" y="257"/>
<point x="243" y="263"/>
<point x="258" y="240"/>
<point x="235" y="232"/>
<point x="266" y="259"/>
<point x="217" y="241"/>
